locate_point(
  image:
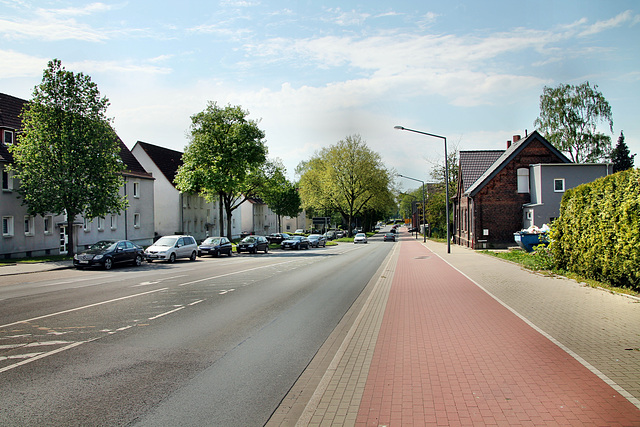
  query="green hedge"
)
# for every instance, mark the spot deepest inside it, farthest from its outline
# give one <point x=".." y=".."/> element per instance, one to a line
<point x="598" y="232"/>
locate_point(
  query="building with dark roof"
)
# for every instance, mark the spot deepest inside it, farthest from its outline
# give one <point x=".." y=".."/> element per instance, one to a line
<point x="26" y="235"/>
<point x="501" y="192"/>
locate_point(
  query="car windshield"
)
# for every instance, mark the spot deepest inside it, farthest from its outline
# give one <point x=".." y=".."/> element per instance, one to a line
<point x="360" y="235"/>
<point x="249" y="240"/>
<point x="103" y="244"/>
<point x="314" y="236"/>
<point x="211" y="241"/>
<point x="296" y="238"/>
<point x="166" y="241"/>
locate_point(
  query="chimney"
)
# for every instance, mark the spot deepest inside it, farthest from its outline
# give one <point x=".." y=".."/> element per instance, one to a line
<point x="516" y="138"/>
<point x="508" y="144"/>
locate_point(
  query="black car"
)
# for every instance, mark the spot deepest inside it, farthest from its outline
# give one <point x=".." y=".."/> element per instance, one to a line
<point x="389" y="237"/>
<point x="278" y="238"/>
<point x="107" y="253"/>
<point x="295" y="242"/>
<point x="215" y="246"/>
<point x="253" y="244"/>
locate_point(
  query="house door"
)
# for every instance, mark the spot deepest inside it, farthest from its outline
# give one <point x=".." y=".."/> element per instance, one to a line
<point x="64" y="240"/>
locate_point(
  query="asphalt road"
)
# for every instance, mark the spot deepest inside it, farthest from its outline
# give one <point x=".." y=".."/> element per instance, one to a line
<point x="211" y="342"/>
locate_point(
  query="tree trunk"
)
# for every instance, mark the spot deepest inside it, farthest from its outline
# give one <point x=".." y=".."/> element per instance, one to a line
<point x="221" y="221"/>
<point x="71" y="246"/>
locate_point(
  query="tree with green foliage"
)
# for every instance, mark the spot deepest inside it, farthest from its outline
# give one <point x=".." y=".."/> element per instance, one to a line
<point x="348" y="178"/>
<point x="281" y="195"/>
<point x="226" y="157"/>
<point x="621" y="158"/>
<point x="67" y="157"/>
<point x="569" y="117"/>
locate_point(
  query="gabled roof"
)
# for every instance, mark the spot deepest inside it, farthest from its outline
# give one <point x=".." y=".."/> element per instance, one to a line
<point x="166" y="159"/>
<point x="132" y="165"/>
<point x="474" y="163"/>
<point x="507" y="156"/>
<point x="10" y="110"/>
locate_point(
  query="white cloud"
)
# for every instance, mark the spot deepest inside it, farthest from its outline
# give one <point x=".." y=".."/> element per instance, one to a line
<point x="16" y="64"/>
<point x="614" y="22"/>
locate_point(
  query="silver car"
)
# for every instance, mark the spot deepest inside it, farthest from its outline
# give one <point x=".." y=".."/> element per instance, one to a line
<point x="317" y="240"/>
<point x="170" y="248"/>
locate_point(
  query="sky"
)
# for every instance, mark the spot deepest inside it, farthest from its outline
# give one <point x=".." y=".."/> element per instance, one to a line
<point x="314" y="72"/>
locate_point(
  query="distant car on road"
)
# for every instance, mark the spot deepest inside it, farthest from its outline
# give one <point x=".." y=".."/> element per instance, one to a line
<point x="317" y="240"/>
<point x="360" y="238"/>
<point x="389" y="237"/>
<point x="107" y="253"/>
<point x="295" y="242"/>
<point x="299" y="231"/>
<point x="170" y="248"/>
<point x="253" y="244"/>
<point x="215" y="246"/>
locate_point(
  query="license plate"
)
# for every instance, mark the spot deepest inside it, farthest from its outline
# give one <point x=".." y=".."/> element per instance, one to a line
<point x="83" y="262"/>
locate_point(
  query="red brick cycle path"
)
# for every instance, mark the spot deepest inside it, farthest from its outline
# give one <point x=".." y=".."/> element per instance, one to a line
<point x="449" y="354"/>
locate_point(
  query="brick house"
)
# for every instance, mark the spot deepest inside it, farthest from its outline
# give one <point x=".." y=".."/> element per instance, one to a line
<point x="493" y="187"/>
<point x="26" y="235"/>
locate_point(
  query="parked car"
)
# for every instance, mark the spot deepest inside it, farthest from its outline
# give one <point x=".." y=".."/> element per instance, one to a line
<point x="107" y="253"/>
<point x="340" y="234"/>
<point x="295" y="242"/>
<point x="360" y="238"/>
<point x="277" y="238"/>
<point x="170" y="248"/>
<point x="253" y="244"/>
<point x="330" y="235"/>
<point x="389" y="237"/>
<point x="299" y="231"/>
<point x="215" y="246"/>
<point x="317" y="240"/>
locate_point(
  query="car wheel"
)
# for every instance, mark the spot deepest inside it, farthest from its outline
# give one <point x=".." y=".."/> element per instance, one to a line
<point x="193" y="256"/>
<point x="108" y="263"/>
<point x="138" y="261"/>
<point x="266" y="249"/>
<point x="230" y="252"/>
<point x="172" y="258"/>
<point x="149" y="261"/>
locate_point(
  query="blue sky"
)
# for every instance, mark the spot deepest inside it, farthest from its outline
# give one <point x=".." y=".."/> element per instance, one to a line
<point x="314" y="72"/>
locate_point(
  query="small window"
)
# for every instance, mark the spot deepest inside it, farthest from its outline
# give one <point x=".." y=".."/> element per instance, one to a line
<point x="8" y="137"/>
<point x="7" y="181"/>
<point x="48" y="224"/>
<point x="558" y="185"/>
<point x="86" y="225"/>
<point x="529" y="215"/>
<point x="523" y="180"/>
<point x="136" y="220"/>
<point x="7" y="226"/>
<point x="100" y="223"/>
<point x="28" y="226"/>
<point x="136" y="190"/>
<point x="114" y="222"/>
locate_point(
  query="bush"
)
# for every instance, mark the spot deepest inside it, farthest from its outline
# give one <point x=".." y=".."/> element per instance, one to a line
<point x="598" y="232"/>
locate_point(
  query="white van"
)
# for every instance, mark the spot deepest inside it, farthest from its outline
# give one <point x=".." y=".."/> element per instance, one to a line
<point x="170" y="248"/>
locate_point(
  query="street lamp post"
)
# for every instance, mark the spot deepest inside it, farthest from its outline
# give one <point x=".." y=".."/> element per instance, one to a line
<point x="446" y="173"/>
<point x="424" y="228"/>
<point x="416" y="201"/>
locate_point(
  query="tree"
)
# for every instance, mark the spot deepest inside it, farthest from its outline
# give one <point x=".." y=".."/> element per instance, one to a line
<point x="68" y="156"/>
<point x="348" y="178"/>
<point x="621" y="158"/>
<point x="281" y="195"/>
<point x="226" y="157"/>
<point x="569" y="116"/>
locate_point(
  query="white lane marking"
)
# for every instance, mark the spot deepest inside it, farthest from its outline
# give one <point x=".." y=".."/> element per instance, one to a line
<point x="168" y="312"/>
<point x="33" y="344"/>
<point x="224" y="291"/>
<point x="235" y="272"/>
<point x="71" y="310"/>
<point x="19" y="356"/>
<point x="43" y="355"/>
<point x="195" y="302"/>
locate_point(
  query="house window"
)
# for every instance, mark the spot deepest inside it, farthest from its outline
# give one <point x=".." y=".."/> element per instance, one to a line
<point x="48" y="224"/>
<point x="529" y="215"/>
<point x="86" y="225"/>
<point x="136" y="220"/>
<point x="28" y="225"/>
<point x="523" y="180"/>
<point x="136" y="190"/>
<point x="114" y="222"/>
<point x="558" y="185"/>
<point x="7" y="181"/>
<point x="7" y="226"/>
<point x="100" y="223"/>
<point x="8" y="137"/>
